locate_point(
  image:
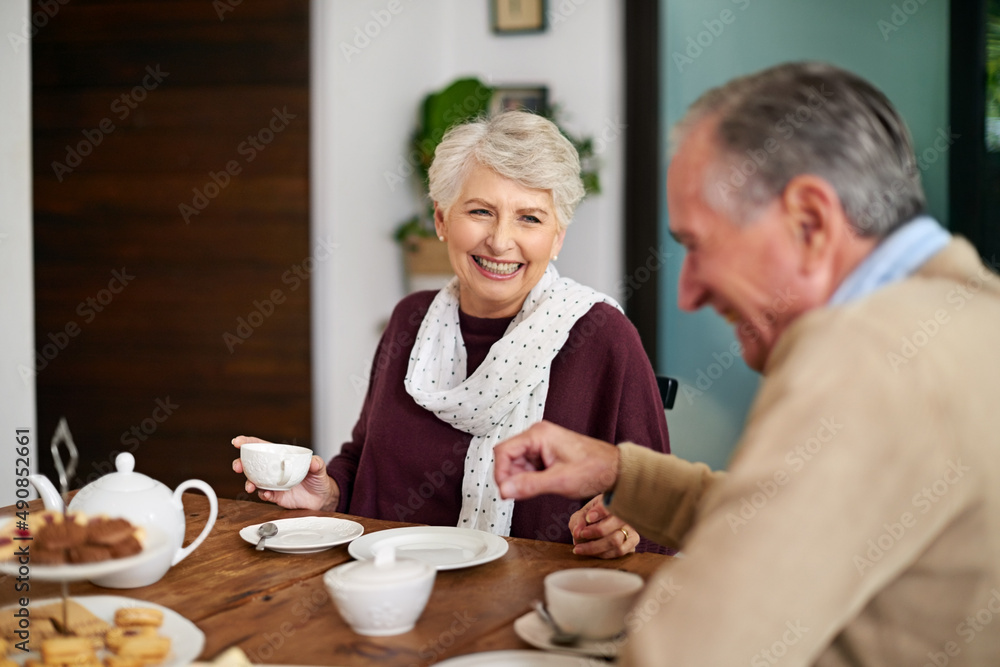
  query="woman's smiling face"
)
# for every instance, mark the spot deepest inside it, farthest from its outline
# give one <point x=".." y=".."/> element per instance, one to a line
<point x="501" y="236"/>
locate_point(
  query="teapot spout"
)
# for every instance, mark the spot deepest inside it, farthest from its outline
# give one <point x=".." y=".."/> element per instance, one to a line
<point x="50" y="497"/>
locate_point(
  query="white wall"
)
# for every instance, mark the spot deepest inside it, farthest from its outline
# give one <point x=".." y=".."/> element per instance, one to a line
<point x="365" y="91"/>
<point x="17" y="312"/>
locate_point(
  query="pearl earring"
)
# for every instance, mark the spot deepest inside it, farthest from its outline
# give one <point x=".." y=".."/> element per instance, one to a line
<point x="441" y="238"/>
<point x="555" y="257"/>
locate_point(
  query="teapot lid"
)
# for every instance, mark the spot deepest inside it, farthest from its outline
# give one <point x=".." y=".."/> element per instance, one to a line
<point x="384" y="571"/>
<point x="126" y="479"/>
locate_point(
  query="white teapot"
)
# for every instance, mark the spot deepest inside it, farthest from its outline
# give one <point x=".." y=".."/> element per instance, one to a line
<point x="143" y="501"/>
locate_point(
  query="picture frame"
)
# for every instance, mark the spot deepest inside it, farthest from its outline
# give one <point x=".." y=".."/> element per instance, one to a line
<point x="529" y="98"/>
<point x="517" y="16"/>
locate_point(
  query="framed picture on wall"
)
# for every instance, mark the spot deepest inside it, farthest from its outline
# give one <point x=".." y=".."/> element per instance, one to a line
<point x="517" y="16"/>
<point x="529" y="98"/>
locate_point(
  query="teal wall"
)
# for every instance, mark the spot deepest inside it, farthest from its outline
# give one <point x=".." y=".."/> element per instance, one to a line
<point x="899" y="45"/>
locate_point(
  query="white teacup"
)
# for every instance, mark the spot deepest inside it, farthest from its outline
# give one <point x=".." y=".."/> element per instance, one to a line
<point x="274" y="467"/>
<point x="591" y="601"/>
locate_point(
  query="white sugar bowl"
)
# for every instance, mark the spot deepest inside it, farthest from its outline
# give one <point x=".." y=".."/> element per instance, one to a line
<point x="381" y="597"/>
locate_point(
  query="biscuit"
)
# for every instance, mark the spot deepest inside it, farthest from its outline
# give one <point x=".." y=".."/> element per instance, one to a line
<point x="120" y="661"/>
<point x="148" y="648"/>
<point x="102" y="530"/>
<point x="79" y="620"/>
<point x="128" y="617"/>
<point x="117" y="636"/>
<point x="68" y="650"/>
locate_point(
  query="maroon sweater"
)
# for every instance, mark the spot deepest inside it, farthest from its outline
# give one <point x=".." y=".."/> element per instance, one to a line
<point x="404" y="464"/>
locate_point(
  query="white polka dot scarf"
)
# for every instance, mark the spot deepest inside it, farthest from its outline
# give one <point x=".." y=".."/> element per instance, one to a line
<point x="507" y="392"/>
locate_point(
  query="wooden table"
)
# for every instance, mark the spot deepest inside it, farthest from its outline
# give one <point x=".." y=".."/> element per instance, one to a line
<point x="274" y="606"/>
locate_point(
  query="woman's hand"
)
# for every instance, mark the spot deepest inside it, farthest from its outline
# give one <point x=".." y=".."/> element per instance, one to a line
<point x="317" y="491"/>
<point x="596" y="532"/>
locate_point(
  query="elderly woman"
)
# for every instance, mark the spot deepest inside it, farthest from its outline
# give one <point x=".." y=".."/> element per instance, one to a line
<point x="505" y="344"/>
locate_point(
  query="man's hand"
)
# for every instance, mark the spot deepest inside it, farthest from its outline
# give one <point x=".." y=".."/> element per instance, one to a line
<point x="551" y="459"/>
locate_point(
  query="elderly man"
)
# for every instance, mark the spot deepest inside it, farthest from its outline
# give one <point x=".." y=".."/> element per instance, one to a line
<point x="859" y="520"/>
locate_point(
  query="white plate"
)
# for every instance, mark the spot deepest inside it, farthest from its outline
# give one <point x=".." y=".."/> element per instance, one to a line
<point x="186" y="640"/>
<point x="306" y="535"/>
<point x="444" y="547"/>
<point x="153" y="546"/>
<point x="516" y="659"/>
<point x="532" y="629"/>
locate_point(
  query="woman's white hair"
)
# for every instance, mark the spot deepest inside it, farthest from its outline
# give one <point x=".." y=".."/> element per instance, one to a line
<point x="524" y="147"/>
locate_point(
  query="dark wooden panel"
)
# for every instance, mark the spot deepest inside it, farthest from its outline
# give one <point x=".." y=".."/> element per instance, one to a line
<point x="134" y="302"/>
<point x="202" y="107"/>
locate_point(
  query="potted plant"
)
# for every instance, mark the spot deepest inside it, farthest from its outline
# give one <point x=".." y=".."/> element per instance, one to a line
<point x="425" y="258"/>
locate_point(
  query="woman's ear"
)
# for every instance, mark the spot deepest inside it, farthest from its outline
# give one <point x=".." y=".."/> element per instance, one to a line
<point x="439" y="226"/>
<point x="557" y="243"/>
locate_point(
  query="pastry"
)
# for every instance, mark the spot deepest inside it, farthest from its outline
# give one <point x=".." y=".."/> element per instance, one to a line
<point x="57" y="539"/>
<point x="79" y="620"/>
<point x="148" y="648"/>
<point x="68" y="650"/>
<point x="129" y="617"/>
<point x="117" y="636"/>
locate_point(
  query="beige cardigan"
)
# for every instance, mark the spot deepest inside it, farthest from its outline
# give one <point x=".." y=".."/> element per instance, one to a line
<point x="859" y="520"/>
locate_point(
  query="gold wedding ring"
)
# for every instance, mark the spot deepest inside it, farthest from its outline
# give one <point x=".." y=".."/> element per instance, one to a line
<point x="625" y="533"/>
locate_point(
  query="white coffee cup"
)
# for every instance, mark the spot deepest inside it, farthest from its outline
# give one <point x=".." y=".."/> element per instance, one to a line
<point x="273" y="466"/>
<point x="591" y="601"/>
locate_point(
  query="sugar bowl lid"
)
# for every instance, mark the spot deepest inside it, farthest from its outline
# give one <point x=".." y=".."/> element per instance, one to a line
<point x="384" y="571"/>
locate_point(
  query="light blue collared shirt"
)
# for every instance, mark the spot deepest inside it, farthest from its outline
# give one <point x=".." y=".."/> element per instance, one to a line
<point x="896" y="257"/>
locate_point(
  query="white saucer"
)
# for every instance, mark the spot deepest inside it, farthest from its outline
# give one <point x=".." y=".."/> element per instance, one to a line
<point x="444" y="547"/>
<point x="517" y="659"/>
<point x="306" y="535"/>
<point x="532" y="629"/>
<point x="186" y="640"/>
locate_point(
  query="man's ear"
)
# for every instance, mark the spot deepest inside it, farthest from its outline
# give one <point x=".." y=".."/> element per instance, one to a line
<point x="815" y="218"/>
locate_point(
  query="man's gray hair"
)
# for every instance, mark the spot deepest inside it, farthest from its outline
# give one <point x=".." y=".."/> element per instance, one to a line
<point x="809" y="118"/>
<point x="518" y="145"/>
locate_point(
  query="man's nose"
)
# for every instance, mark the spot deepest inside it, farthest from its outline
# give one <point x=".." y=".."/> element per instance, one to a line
<point x="691" y="295"/>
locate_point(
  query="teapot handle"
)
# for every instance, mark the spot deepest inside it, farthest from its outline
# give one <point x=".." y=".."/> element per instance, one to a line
<point x="213" y="511"/>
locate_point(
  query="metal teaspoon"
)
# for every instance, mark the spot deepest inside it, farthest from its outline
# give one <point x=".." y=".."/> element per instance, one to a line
<point x="265" y="531"/>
